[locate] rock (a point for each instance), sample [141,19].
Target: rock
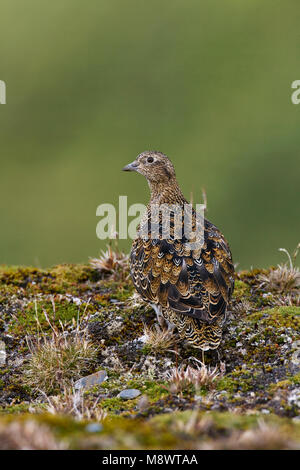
[2,353]
[129,394]
[143,403]
[294,398]
[18,361]
[114,327]
[94,427]
[91,380]
[296,355]
[95,329]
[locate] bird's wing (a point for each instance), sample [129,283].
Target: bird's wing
[197,283]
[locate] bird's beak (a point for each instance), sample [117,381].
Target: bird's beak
[131,167]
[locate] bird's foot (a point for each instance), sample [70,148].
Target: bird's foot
[161,323]
[192,358]
[171,327]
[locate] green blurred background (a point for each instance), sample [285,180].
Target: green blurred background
[90,84]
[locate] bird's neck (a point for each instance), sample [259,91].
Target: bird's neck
[166,192]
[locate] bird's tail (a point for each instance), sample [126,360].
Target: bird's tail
[199,334]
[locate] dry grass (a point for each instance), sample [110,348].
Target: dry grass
[27,435]
[73,403]
[284,279]
[159,339]
[288,300]
[181,378]
[58,360]
[113,263]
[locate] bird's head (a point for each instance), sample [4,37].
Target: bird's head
[155,166]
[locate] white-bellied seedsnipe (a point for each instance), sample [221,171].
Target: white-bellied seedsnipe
[189,287]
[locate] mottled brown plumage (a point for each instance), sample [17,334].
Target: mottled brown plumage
[189,288]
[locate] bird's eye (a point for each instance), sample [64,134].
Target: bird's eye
[150,160]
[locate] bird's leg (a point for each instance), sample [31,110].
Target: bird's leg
[222,364]
[160,319]
[200,364]
[203,356]
[171,327]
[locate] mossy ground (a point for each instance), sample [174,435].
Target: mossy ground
[260,350]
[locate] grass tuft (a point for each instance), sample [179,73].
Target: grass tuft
[283,279]
[58,360]
[112,263]
[159,339]
[79,406]
[201,376]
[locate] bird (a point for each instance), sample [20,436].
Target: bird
[189,286]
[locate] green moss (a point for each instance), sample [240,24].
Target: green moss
[64,426]
[116,405]
[285,384]
[34,316]
[295,379]
[59,279]
[146,349]
[15,409]
[286,317]
[239,380]
[250,276]
[241,290]
[142,434]
[19,276]
[123,292]
[227,383]
[154,390]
